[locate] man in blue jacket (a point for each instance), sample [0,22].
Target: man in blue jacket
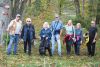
[56,27]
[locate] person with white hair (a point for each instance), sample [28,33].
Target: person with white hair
[56,28]
[28,34]
[45,35]
[14,30]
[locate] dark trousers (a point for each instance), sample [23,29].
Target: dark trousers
[91,49]
[69,44]
[27,44]
[68,48]
[77,48]
[49,50]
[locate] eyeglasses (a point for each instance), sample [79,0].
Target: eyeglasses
[28,21]
[56,17]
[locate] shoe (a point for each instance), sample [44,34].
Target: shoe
[8,53]
[15,53]
[29,54]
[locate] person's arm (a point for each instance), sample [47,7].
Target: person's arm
[61,29]
[50,35]
[96,34]
[74,31]
[21,27]
[95,37]
[10,24]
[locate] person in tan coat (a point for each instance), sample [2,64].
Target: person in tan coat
[14,30]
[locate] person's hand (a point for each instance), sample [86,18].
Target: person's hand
[21,40]
[94,41]
[20,33]
[81,42]
[46,38]
[74,39]
[7,30]
[43,36]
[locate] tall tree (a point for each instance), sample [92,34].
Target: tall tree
[98,12]
[60,4]
[83,3]
[18,6]
[91,9]
[77,6]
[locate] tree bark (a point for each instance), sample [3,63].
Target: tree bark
[98,12]
[83,2]
[77,6]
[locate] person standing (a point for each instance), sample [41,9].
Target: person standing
[92,39]
[79,38]
[56,28]
[70,36]
[28,34]
[14,30]
[45,35]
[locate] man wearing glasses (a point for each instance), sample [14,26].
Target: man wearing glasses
[56,28]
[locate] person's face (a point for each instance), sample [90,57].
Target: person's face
[57,18]
[28,22]
[70,23]
[46,26]
[17,18]
[93,24]
[78,26]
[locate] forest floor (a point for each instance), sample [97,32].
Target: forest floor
[35,60]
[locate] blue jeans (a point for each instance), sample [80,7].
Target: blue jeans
[54,39]
[15,40]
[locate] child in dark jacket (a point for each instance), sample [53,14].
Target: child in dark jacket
[45,35]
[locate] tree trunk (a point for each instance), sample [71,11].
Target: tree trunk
[91,10]
[83,2]
[98,12]
[77,6]
[29,3]
[18,7]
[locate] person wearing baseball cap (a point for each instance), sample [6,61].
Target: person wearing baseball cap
[14,30]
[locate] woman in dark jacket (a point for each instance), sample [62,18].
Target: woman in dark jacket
[28,34]
[45,34]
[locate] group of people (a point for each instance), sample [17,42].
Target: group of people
[51,34]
